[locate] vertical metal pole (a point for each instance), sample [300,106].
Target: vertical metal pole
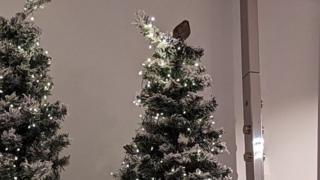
[254,143]
[318,169]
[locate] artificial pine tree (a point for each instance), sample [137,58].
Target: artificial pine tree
[29,124]
[177,139]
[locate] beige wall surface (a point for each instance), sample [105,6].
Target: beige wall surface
[97,54]
[289,41]
[289,55]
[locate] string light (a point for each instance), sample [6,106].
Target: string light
[32,18]
[152,18]
[140,73]
[196,64]
[198,151]
[150,47]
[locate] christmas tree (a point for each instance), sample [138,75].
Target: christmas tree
[29,124]
[177,139]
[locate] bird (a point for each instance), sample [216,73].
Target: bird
[182,31]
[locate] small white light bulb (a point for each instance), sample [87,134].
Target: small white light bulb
[152,18]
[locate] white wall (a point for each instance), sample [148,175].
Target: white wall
[97,54]
[289,53]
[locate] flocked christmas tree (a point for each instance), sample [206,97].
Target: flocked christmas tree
[29,124]
[177,139]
